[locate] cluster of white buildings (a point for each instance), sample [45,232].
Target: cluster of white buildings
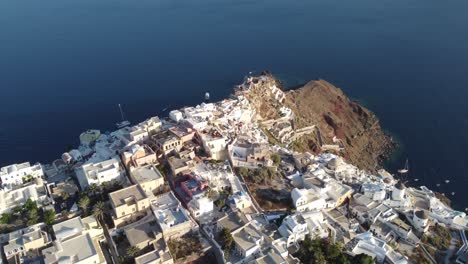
[200,146]
[366,243]
[100,172]
[77,241]
[17,174]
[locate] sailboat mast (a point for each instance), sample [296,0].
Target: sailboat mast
[121,113]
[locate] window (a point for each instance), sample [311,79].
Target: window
[123,213]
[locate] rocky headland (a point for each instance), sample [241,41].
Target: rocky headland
[338,120]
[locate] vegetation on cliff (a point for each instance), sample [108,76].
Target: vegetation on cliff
[337,118]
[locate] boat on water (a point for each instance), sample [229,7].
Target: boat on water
[416,180]
[438,185]
[207,96]
[405,169]
[453,193]
[124,121]
[447,181]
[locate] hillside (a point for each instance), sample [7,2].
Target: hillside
[338,119]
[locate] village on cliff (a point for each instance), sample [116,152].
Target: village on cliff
[216,183]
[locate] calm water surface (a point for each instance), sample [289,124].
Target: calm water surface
[66,64]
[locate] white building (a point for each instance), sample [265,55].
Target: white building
[214,143]
[89,136]
[382,212]
[316,223]
[398,192]
[77,241]
[10,198]
[151,125]
[399,197]
[366,243]
[334,192]
[100,172]
[307,200]
[176,115]
[20,241]
[239,197]
[149,178]
[421,220]
[200,206]
[374,191]
[216,175]
[172,218]
[294,229]
[247,241]
[446,215]
[15,173]
[203,111]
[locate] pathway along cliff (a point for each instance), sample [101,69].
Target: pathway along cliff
[338,119]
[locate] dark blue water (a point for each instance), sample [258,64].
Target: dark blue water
[66,64]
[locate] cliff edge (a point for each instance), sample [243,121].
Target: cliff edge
[335,123]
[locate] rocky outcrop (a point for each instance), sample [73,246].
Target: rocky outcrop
[338,119]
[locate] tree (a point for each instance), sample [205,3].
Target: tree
[6,218]
[115,185]
[105,186]
[226,238]
[334,250]
[65,213]
[32,216]
[132,251]
[99,210]
[65,196]
[49,217]
[210,193]
[33,213]
[84,203]
[220,202]
[276,159]
[362,259]
[29,205]
[93,189]
[243,171]
[31,222]
[319,258]
[18,209]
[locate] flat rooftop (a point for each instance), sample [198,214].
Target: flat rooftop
[246,237]
[146,174]
[164,201]
[119,197]
[170,217]
[233,221]
[142,233]
[70,251]
[68,228]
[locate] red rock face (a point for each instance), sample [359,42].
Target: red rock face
[326,106]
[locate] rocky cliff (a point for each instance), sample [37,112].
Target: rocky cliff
[339,121]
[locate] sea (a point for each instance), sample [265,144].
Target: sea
[65,65]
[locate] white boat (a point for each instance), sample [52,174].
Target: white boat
[438,185]
[453,193]
[207,96]
[124,122]
[447,181]
[416,180]
[405,169]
